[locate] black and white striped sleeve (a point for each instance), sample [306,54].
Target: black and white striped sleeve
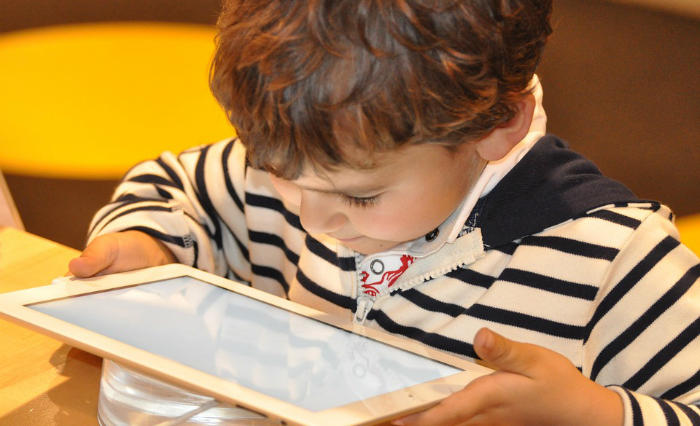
[643,340]
[180,200]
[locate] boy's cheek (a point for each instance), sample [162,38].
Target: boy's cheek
[397,227]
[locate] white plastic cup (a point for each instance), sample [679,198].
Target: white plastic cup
[128,398]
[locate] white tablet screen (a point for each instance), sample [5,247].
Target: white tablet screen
[273,351]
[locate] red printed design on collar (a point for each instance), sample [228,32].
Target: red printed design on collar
[379,274]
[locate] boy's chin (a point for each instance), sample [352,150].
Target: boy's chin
[368,246]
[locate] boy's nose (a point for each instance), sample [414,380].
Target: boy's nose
[319,214]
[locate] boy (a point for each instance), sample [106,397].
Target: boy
[393,168]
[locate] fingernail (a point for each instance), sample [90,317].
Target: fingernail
[398,423]
[489,340]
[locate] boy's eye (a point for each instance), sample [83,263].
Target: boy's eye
[360,201]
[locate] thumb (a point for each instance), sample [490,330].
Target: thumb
[504,354]
[97,256]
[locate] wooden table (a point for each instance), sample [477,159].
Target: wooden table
[42,381]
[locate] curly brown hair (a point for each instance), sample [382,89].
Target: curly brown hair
[306,81]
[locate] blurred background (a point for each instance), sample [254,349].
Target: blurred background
[107,83]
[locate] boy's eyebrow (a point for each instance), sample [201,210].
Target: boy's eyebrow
[349,190]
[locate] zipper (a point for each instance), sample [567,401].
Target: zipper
[364,305]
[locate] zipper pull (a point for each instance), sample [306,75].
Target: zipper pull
[364,305]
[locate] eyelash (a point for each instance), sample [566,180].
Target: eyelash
[360,202]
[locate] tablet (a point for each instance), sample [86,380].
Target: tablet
[242,346]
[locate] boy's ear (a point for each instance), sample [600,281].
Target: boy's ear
[498,143]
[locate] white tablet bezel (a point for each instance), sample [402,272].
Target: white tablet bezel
[14,307]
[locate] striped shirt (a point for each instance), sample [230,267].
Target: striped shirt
[556,255]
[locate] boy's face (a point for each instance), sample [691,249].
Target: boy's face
[409,193]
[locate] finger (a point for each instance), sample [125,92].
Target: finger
[504,354]
[436,416]
[81,267]
[454,410]
[97,257]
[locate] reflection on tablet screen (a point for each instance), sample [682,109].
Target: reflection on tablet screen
[273,351]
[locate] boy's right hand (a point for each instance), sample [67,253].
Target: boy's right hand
[120,252]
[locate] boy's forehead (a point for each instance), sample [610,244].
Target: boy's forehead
[365,162]
[374,159]
[372,170]
[357,175]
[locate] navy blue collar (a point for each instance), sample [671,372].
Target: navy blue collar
[550,185]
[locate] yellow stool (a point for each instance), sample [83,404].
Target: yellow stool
[91,100]
[81,104]
[689,227]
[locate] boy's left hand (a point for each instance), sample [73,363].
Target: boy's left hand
[532,386]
